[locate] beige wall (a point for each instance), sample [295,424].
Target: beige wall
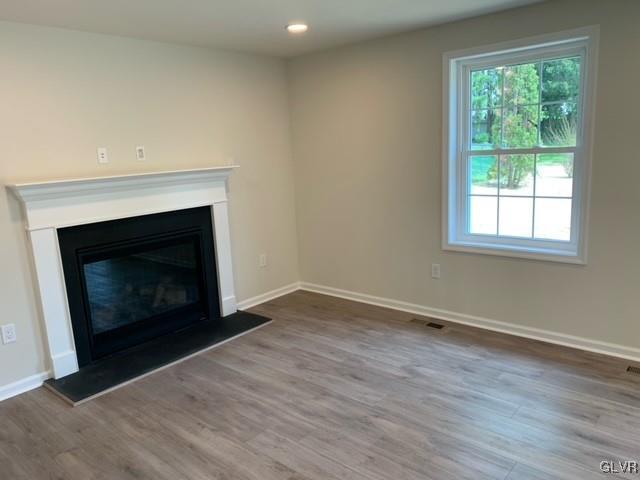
[367,125]
[63,93]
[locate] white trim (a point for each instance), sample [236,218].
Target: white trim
[23,385]
[267,296]
[64,363]
[49,189]
[582,41]
[548,336]
[224,263]
[228,304]
[65,203]
[53,299]
[514,252]
[511,46]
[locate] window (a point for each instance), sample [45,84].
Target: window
[516,162]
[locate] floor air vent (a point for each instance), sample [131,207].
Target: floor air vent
[437,326]
[635,370]
[426,323]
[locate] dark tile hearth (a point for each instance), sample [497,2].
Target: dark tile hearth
[125,366]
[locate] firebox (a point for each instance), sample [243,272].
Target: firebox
[134,279]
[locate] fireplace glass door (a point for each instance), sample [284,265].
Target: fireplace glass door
[137,289]
[131,280]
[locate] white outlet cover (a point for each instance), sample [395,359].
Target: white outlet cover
[8,333]
[103,156]
[435,270]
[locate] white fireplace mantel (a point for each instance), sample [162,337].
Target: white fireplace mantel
[56,204]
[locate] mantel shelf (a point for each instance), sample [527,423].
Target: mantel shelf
[46,190]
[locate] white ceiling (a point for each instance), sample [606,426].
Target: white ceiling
[248,25]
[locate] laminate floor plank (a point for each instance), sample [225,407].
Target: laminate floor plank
[335,389]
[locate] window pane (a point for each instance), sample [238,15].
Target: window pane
[483,175]
[516,217]
[483,215]
[560,79]
[554,175]
[486,89]
[516,174]
[515,130]
[553,219]
[485,129]
[522,84]
[521,127]
[559,124]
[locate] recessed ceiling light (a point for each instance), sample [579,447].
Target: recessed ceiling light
[296,28]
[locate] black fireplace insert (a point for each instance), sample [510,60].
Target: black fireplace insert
[131,280]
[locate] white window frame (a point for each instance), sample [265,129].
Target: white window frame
[456,67]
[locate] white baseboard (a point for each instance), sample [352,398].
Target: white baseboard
[265,297]
[548,336]
[621,351]
[22,386]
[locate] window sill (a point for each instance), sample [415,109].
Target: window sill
[545,255]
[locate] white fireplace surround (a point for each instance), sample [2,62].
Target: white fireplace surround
[51,205]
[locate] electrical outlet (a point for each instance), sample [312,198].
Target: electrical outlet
[8,333]
[103,156]
[263,260]
[140,154]
[435,270]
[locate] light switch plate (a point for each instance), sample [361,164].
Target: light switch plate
[140,153]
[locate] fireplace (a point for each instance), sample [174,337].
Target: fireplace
[134,279]
[160,248]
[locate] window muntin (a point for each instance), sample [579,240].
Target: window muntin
[519,169]
[528,106]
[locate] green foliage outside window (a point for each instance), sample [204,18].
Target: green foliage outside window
[524,106]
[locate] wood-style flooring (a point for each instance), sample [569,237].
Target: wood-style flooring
[338,390]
